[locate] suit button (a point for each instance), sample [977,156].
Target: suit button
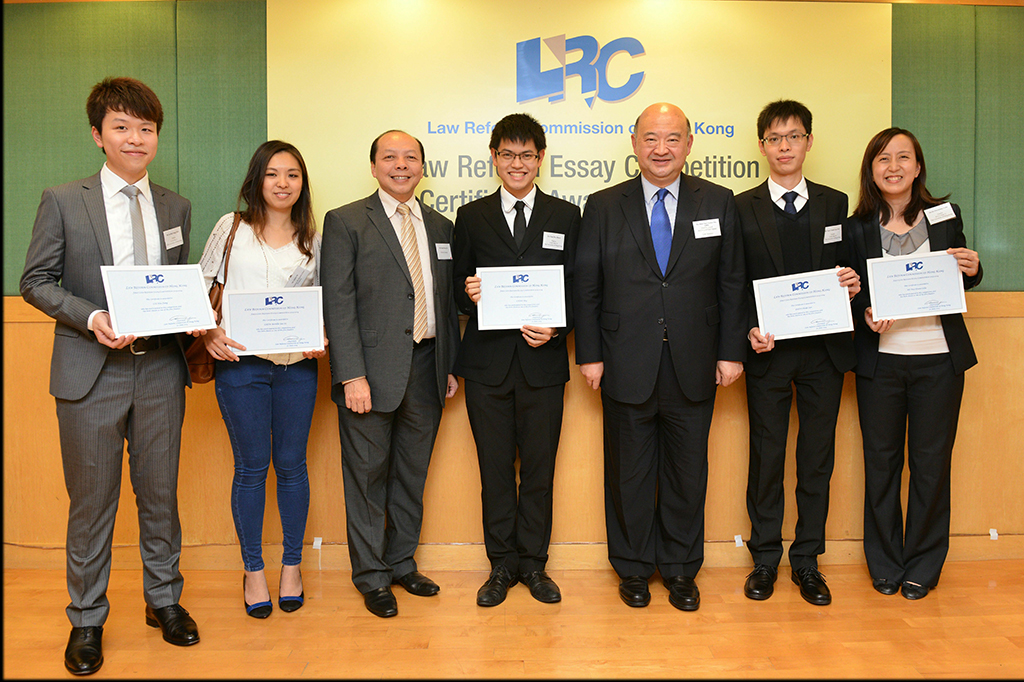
[520,258]
[408,332]
[661,320]
[664,285]
[412,296]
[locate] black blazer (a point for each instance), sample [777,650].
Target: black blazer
[867,243]
[762,249]
[623,304]
[482,239]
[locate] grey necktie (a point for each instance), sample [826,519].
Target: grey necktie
[138,231]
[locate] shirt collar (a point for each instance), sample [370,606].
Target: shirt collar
[391,205]
[650,189]
[113,183]
[508,202]
[776,190]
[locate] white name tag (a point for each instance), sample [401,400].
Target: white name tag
[707,228]
[936,214]
[172,237]
[444,251]
[833,234]
[554,240]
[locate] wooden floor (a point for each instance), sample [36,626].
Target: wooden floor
[971,626]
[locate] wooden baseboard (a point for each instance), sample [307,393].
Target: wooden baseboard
[471,557]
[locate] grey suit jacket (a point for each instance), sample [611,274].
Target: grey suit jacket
[70,241]
[368,301]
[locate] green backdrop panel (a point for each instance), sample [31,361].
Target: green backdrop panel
[53,54]
[222,104]
[999,146]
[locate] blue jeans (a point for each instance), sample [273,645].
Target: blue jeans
[268,410]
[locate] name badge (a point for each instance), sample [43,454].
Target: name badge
[554,240]
[936,214]
[707,228]
[172,238]
[444,251]
[833,234]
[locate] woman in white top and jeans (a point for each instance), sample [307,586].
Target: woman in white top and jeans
[910,373]
[267,400]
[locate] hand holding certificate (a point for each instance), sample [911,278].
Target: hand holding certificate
[511,297]
[287,320]
[805,304]
[145,300]
[918,285]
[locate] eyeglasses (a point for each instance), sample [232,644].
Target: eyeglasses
[776,140]
[527,157]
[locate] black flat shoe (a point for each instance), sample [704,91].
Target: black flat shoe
[886,587]
[84,654]
[381,602]
[495,589]
[911,591]
[260,609]
[542,587]
[760,583]
[812,586]
[418,584]
[634,592]
[177,626]
[683,593]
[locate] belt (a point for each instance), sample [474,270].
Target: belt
[143,346]
[424,342]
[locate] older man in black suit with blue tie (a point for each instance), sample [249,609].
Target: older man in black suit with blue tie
[661,321]
[110,388]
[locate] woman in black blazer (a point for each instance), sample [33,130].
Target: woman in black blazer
[910,373]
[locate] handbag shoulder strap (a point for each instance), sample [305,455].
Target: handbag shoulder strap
[227,246]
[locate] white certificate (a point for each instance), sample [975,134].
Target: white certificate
[287,320]
[806,304]
[513,296]
[146,300]
[918,285]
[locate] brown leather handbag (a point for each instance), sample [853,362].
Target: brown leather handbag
[201,364]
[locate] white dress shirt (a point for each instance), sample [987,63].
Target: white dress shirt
[508,206]
[776,191]
[671,200]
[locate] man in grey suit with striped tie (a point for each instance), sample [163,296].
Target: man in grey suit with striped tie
[111,388]
[386,271]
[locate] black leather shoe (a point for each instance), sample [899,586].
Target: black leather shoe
[634,591]
[912,591]
[812,586]
[886,587]
[381,602]
[682,593]
[84,654]
[494,591]
[178,627]
[761,582]
[542,587]
[418,584]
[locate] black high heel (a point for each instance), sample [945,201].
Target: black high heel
[259,610]
[291,603]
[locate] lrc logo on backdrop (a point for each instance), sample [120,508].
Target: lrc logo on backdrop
[591,67]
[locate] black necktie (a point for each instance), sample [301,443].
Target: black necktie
[519,224]
[790,198]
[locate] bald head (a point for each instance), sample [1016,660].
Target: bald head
[661,142]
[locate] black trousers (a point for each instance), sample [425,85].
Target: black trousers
[807,368]
[509,418]
[912,399]
[656,479]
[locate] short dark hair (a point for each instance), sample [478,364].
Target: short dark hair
[373,145]
[783,110]
[521,128]
[872,203]
[251,194]
[128,95]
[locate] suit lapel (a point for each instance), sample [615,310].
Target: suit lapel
[163,222]
[687,206]
[375,212]
[764,212]
[873,239]
[435,235]
[542,209]
[817,215]
[938,237]
[636,218]
[92,195]
[495,219]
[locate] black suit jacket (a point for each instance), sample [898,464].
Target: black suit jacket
[867,243]
[623,304]
[483,239]
[762,249]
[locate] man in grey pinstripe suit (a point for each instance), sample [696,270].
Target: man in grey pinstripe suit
[110,388]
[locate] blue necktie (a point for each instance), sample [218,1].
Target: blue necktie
[790,198]
[661,230]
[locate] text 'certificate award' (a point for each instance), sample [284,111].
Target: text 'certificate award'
[512,296]
[807,304]
[918,285]
[287,320]
[146,300]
